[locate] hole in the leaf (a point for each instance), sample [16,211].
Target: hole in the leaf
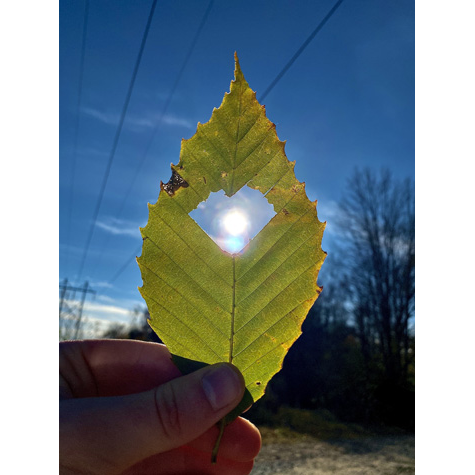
[232,222]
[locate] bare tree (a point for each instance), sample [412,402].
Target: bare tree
[377,222]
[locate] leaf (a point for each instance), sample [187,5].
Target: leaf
[211,306]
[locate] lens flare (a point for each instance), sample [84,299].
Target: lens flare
[235,222]
[234,244]
[234,225]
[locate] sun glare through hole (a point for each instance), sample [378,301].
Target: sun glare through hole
[233,222]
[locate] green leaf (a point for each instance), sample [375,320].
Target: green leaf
[211,306]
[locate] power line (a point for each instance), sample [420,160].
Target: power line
[266,92]
[116,139]
[76,128]
[162,114]
[300,50]
[167,103]
[125,264]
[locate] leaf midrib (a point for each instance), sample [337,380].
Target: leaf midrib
[231,337]
[236,140]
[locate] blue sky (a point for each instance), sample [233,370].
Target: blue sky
[347,101]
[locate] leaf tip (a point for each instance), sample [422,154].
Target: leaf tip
[237,68]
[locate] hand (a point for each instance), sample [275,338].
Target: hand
[126,409]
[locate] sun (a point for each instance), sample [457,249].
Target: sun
[235,222]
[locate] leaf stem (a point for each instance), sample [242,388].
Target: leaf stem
[231,337]
[214,454]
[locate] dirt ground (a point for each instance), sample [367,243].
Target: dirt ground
[307,456]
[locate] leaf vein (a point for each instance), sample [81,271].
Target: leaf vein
[279,180]
[192,278]
[199,163]
[167,335]
[278,267]
[273,298]
[181,295]
[276,347]
[189,247]
[270,328]
[237,137]
[275,243]
[214,146]
[256,147]
[251,127]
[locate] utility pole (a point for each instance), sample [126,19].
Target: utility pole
[70,311]
[63,293]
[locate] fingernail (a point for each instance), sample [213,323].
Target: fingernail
[221,384]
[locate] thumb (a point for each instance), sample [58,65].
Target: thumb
[112,433]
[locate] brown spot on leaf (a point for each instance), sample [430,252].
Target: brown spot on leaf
[224,174]
[285,211]
[176,181]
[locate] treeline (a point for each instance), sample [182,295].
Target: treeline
[328,368]
[355,357]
